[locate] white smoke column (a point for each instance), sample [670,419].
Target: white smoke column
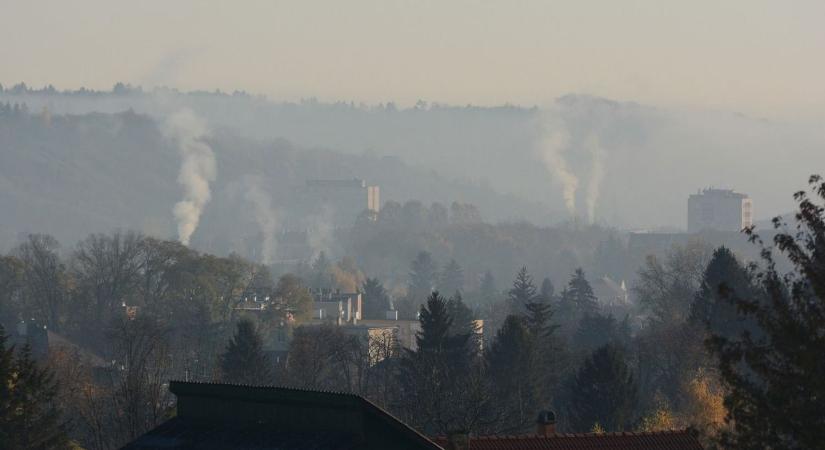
[197,169]
[265,217]
[597,173]
[321,233]
[552,147]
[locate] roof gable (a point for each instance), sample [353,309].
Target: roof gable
[665,440]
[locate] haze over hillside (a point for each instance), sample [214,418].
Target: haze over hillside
[71,175]
[621,163]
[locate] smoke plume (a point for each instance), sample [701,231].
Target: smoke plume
[197,169]
[265,217]
[597,173]
[552,147]
[321,233]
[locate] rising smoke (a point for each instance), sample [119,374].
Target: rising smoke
[553,146]
[198,169]
[265,217]
[563,149]
[321,233]
[597,172]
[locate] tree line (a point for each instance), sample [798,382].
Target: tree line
[731,350]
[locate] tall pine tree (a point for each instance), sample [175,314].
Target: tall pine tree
[244,361]
[514,367]
[578,299]
[442,391]
[547,291]
[710,309]
[29,418]
[522,292]
[376,300]
[463,322]
[603,392]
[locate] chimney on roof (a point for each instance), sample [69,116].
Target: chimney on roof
[458,440]
[546,423]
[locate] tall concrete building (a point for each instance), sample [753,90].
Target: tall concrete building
[719,210]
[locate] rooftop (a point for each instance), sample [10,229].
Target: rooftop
[713,192]
[215,415]
[664,440]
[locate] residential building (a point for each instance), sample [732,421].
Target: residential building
[719,210]
[334,305]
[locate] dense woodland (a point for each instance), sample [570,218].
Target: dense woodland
[731,350]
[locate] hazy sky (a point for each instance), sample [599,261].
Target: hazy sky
[758,57]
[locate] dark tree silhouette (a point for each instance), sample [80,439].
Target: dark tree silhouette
[578,299]
[29,418]
[514,370]
[710,309]
[244,360]
[421,284]
[775,376]
[376,300]
[462,316]
[547,291]
[522,292]
[422,276]
[451,278]
[443,389]
[597,330]
[602,392]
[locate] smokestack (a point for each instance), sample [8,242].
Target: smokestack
[546,423]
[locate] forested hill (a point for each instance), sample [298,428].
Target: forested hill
[70,175]
[623,164]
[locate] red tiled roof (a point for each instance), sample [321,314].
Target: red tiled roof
[663,440]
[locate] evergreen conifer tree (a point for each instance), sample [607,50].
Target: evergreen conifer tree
[596,330]
[710,309]
[376,301]
[522,292]
[421,284]
[578,299]
[29,418]
[514,367]
[547,291]
[439,379]
[244,361]
[463,322]
[451,278]
[603,391]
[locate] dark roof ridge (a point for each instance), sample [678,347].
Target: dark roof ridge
[260,386]
[369,407]
[577,435]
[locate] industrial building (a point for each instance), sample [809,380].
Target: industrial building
[719,210]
